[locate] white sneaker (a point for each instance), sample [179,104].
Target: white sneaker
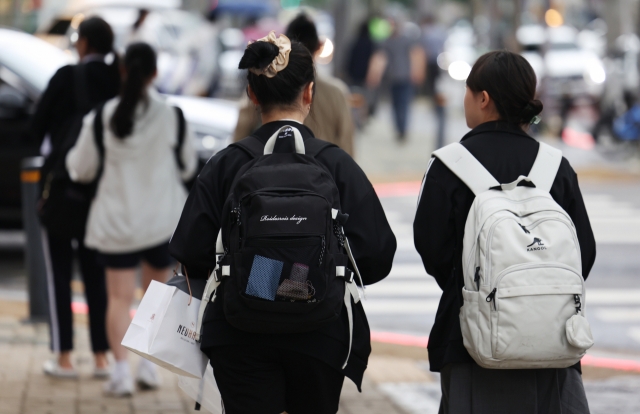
[119,387]
[148,377]
[52,368]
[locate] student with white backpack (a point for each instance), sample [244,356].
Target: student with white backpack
[502,227]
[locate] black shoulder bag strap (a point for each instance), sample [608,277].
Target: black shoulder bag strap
[98,137]
[182,128]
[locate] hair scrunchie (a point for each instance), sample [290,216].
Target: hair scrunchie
[281,61]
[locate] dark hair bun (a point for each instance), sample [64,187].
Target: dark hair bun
[510,81]
[533,108]
[258,55]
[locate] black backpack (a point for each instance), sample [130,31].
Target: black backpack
[284,264]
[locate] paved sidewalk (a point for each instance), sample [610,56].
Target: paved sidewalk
[24,389]
[384,159]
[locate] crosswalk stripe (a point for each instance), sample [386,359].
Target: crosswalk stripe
[401,288]
[401,306]
[618,314]
[614,221]
[411,290]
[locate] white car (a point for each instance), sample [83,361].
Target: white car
[26,65]
[187,45]
[565,69]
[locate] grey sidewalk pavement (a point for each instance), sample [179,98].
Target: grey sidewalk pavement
[24,389]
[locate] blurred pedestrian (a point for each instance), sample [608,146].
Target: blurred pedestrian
[136,34]
[360,55]
[71,93]
[330,118]
[363,98]
[401,61]
[139,198]
[434,35]
[299,372]
[499,106]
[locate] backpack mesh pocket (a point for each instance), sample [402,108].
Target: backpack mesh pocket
[285,269]
[264,277]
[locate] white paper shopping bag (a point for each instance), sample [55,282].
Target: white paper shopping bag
[163,331]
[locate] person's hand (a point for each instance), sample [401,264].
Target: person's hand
[418,60]
[377,66]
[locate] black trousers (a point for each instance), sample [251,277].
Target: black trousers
[60,270]
[258,379]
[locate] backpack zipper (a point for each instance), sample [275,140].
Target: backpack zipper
[322,249]
[492,298]
[526,266]
[476,278]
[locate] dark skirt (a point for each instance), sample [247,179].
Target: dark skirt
[468,388]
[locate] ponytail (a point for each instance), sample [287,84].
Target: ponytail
[140,66]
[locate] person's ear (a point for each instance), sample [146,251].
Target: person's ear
[81,46]
[252,96]
[485,100]
[307,94]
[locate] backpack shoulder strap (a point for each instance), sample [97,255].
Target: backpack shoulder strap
[98,131]
[464,165]
[545,167]
[181,133]
[251,145]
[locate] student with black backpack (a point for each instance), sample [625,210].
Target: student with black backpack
[143,151]
[72,92]
[300,227]
[502,227]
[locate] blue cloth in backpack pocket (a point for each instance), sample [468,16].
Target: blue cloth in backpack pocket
[264,277]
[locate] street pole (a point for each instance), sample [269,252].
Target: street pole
[34,251]
[341,17]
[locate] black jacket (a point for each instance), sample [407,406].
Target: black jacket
[58,108]
[506,152]
[369,233]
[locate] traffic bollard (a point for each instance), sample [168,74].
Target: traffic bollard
[34,251]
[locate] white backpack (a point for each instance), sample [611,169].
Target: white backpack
[524,296]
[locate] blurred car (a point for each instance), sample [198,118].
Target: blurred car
[186,43]
[561,65]
[26,65]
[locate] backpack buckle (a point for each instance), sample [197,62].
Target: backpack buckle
[345,273]
[349,276]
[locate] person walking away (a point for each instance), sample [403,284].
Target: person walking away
[139,197]
[71,93]
[299,372]
[357,67]
[330,118]
[499,105]
[403,60]
[433,38]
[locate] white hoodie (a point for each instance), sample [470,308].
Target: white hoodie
[140,194]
